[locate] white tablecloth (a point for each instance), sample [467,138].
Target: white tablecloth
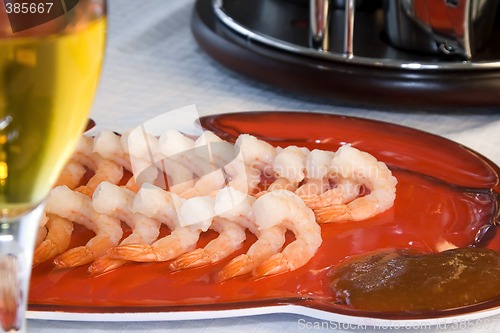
[154,65]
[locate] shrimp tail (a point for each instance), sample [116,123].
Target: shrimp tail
[84,189]
[56,241]
[195,258]
[357,210]
[295,255]
[240,265]
[82,255]
[105,264]
[46,250]
[168,250]
[134,252]
[77,256]
[332,213]
[276,264]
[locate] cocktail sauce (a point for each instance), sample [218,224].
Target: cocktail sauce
[403,280]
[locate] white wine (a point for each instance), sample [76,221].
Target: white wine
[47,85]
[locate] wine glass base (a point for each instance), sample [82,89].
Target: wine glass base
[17,238]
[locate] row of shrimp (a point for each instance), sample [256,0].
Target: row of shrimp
[192,185]
[230,213]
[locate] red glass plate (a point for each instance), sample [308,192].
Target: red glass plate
[447,195]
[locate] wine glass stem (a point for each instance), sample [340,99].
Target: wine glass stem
[17,238]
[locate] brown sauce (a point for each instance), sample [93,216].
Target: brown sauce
[403,280]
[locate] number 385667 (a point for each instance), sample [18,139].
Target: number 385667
[28,7]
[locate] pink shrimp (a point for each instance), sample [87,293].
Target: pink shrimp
[323,186]
[117,202]
[77,207]
[104,169]
[234,215]
[361,169]
[275,212]
[56,241]
[185,218]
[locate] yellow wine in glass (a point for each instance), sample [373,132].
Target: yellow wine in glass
[49,70]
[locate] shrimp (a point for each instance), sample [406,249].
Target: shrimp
[108,145]
[145,155]
[56,241]
[275,212]
[180,148]
[42,230]
[356,167]
[211,155]
[117,202]
[104,169]
[269,242]
[322,186]
[77,207]
[71,175]
[288,210]
[216,152]
[289,168]
[317,167]
[180,163]
[194,162]
[254,159]
[185,218]
[140,145]
[234,215]
[230,239]
[203,157]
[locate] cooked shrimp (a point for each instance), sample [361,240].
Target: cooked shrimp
[231,237]
[77,207]
[361,169]
[42,230]
[186,219]
[56,241]
[254,158]
[71,175]
[322,186]
[269,242]
[141,145]
[203,158]
[275,212]
[211,155]
[289,167]
[104,169]
[180,148]
[207,185]
[145,155]
[108,145]
[115,201]
[234,215]
[289,211]
[317,173]
[216,153]
[177,179]
[180,163]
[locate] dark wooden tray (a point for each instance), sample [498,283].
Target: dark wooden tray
[344,81]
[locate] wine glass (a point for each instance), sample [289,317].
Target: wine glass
[50,60]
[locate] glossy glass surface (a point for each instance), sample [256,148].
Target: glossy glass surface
[447,195]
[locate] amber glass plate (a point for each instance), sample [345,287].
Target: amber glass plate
[447,195]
